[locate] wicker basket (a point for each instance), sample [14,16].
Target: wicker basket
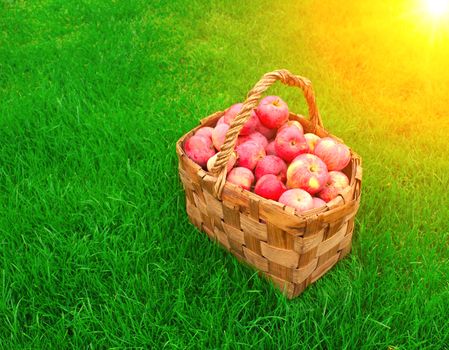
[292,250]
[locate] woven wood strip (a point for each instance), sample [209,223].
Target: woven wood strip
[321,270]
[236,247]
[255,259]
[234,233]
[254,206]
[345,251]
[284,257]
[345,241]
[253,227]
[333,241]
[222,238]
[301,274]
[304,244]
[279,240]
[209,232]
[284,220]
[213,206]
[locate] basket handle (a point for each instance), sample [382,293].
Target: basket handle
[251,102]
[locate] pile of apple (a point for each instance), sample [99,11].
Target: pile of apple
[299,170]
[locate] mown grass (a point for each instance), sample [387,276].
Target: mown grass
[96,250]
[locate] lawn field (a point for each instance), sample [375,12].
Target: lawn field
[96,250]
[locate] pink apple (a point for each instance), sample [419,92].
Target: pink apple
[219,135]
[290,142]
[232,112]
[242,177]
[249,154]
[292,123]
[199,149]
[249,126]
[335,154]
[205,131]
[267,132]
[213,159]
[255,136]
[298,199]
[318,202]
[272,112]
[269,187]
[270,149]
[307,172]
[311,139]
[336,182]
[221,121]
[271,165]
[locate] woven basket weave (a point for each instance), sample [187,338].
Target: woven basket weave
[293,250]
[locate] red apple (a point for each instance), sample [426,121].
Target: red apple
[272,112]
[290,142]
[335,154]
[205,131]
[219,135]
[199,149]
[249,153]
[242,177]
[307,172]
[271,165]
[231,161]
[311,139]
[298,199]
[270,149]
[336,182]
[318,202]
[267,132]
[269,187]
[249,126]
[255,136]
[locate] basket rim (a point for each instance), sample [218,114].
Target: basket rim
[331,206]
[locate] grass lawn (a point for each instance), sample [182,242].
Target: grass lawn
[96,250]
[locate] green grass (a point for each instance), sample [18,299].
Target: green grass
[96,250]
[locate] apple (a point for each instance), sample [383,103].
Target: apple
[232,112]
[290,142]
[337,181]
[298,199]
[335,154]
[249,126]
[271,165]
[199,149]
[267,132]
[272,112]
[269,187]
[307,172]
[270,149]
[255,136]
[205,131]
[219,135]
[242,177]
[311,139]
[249,154]
[292,123]
[221,121]
[213,159]
[318,202]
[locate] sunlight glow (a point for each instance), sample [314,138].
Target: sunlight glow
[437,8]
